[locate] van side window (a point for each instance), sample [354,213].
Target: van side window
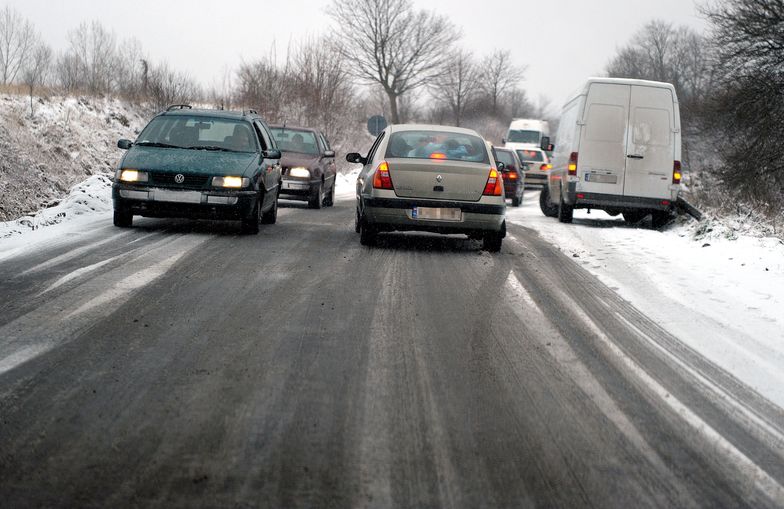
[651,127]
[606,123]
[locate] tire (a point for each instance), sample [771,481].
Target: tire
[547,208]
[271,216]
[660,219]
[565,212]
[250,225]
[634,217]
[367,234]
[123,218]
[329,200]
[517,201]
[357,222]
[317,201]
[492,242]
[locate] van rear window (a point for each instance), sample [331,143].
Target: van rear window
[437,145]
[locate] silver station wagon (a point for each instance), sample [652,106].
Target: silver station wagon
[430,178]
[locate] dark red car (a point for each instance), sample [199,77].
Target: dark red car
[308,164]
[514,174]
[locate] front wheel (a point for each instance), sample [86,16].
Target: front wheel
[317,200]
[123,218]
[250,224]
[548,209]
[271,216]
[330,199]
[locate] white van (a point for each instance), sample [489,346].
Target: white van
[526,133]
[618,150]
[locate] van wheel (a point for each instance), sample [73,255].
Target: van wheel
[565,212]
[548,209]
[660,219]
[634,217]
[123,218]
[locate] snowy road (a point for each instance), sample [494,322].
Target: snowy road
[182,364]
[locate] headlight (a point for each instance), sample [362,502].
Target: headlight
[133,176]
[299,173]
[230,182]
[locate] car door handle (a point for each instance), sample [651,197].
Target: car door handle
[635,156]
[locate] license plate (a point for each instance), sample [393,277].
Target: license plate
[176,196]
[598,178]
[437,213]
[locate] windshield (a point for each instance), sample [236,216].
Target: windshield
[294,140]
[516,136]
[437,145]
[531,156]
[199,133]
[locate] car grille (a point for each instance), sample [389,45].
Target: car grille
[191,181]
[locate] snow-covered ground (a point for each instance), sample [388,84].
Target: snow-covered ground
[718,291]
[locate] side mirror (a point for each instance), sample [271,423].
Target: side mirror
[501,166]
[329,153]
[125,144]
[546,145]
[272,154]
[355,158]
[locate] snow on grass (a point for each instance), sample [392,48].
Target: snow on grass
[717,288]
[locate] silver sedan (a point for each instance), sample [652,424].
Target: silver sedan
[430,178]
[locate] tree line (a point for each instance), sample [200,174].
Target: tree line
[730,82]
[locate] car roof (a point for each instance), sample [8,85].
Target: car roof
[293,128]
[429,127]
[187,112]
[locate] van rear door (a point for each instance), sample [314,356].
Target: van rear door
[602,151]
[651,143]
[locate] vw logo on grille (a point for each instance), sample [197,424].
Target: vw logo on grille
[439,179]
[179,178]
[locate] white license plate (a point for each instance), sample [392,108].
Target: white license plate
[176,196]
[437,213]
[295,186]
[598,178]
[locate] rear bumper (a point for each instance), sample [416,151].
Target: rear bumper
[619,203]
[392,214]
[536,179]
[160,202]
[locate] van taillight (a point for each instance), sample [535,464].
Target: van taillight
[494,186]
[676,173]
[381,179]
[573,163]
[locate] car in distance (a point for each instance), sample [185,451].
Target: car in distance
[619,150]
[430,178]
[539,164]
[308,165]
[200,164]
[527,133]
[514,172]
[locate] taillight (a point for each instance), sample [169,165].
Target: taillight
[676,173]
[573,164]
[494,186]
[512,175]
[381,179]
[438,155]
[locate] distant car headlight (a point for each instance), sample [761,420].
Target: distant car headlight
[134,176]
[299,172]
[230,182]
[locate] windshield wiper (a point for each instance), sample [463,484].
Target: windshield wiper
[155,144]
[211,148]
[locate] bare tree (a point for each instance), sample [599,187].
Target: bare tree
[95,50]
[167,87]
[390,43]
[458,83]
[36,69]
[17,38]
[502,76]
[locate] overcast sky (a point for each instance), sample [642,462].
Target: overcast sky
[561,41]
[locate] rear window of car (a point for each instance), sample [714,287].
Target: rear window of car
[296,140]
[505,157]
[531,156]
[196,132]
[437,145]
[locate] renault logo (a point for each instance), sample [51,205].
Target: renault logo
[439,179]
[179,178]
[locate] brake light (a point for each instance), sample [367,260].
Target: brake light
[494,186]
[381,178]
[437,155]
[676,173]
[573,164]
[512,175]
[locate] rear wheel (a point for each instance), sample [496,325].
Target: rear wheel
[367,234]
[317,199]
[271,216]
[123,218]
[250,224]
[660,219]
[517,201]
[565,212]
[548,209]
[357,221]
[492,241]
[634,216]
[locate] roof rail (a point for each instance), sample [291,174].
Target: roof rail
[250,112]
[179,107]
